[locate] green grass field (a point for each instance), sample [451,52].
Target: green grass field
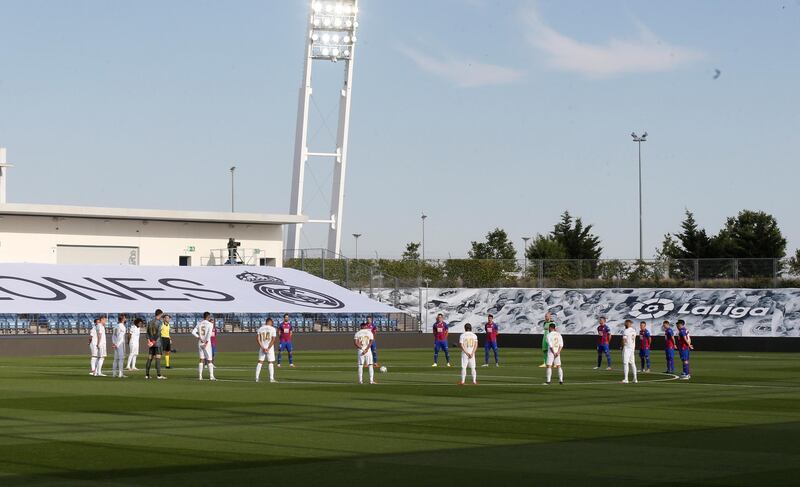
[737,422]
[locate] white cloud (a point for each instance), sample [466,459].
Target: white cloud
[644,54]
[465,73]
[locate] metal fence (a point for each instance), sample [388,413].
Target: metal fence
[369,274]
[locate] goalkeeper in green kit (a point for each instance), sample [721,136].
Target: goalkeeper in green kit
[548,320]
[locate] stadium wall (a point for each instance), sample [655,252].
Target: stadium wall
[17,346]
[707,312]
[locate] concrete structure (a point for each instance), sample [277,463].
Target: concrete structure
[330,37]
[54,234]
[4,165]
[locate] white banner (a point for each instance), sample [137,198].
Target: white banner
[44,288]
[707,312]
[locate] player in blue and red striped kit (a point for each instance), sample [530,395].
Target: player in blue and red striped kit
[440,332]
[684,346]
[669,347]
[603,343]
[645,340]
[491,341]
[285,337]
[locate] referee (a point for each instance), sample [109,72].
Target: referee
[166,343]
[154,344]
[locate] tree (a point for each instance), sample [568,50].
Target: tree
[751,235]
[577,240]
[545,247]
[692,243]
[794,263]
[411,252]
[496,246]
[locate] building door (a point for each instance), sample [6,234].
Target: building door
[185,260]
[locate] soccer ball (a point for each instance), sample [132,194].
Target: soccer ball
[384,369]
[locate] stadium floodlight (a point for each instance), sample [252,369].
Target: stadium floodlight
[331,37]
[639,141]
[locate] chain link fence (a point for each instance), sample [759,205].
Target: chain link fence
[366,275]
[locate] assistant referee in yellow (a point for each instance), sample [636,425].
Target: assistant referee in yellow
[166,343]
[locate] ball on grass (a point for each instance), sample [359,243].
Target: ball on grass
[384,369]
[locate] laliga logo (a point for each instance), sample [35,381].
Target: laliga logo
[275,288]
[656,308]
[652,308]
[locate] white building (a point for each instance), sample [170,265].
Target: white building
[54,234]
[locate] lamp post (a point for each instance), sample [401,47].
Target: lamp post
[233,170]
[639,141]
[356,235]
[424,216]
[525,255]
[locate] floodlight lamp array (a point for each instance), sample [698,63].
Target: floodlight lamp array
[333,29]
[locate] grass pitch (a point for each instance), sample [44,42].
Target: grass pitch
[737,422]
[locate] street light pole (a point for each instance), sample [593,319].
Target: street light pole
[639,141]
[356,235]
[233,169]
[424,216]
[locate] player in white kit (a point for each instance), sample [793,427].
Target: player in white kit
[469,345]
[363,341]
[555,344]
[118,344]
[265,336]
[133,343]
[93,347]
[100,331]
[202,331]
[628,349]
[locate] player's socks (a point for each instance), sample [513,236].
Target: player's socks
[166,360]
[99,369]
[474,376]
[147,367]
[211,371]
[372,375]
[635,378]
[258,370]
[626,366]
[291,359]
[549,374]
[599,359]
[463,374]
[94,364]
[360,374]
[560,374]
[271,369]
[158,367]
[200,370]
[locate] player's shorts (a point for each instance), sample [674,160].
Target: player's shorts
[269,356]
[466,361]
[603,348]
[154,350]
[166,344]
[93,350]
[101,351]
[286,346]
[552,360]
[644,352]
[670,352]
[490,345]
[440,345]
[684,355]
[365,359]
[627,356]
[119,352]
[204,352]
[134,349]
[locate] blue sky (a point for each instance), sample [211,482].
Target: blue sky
[481,113]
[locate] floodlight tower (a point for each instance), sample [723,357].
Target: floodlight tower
[330,37]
